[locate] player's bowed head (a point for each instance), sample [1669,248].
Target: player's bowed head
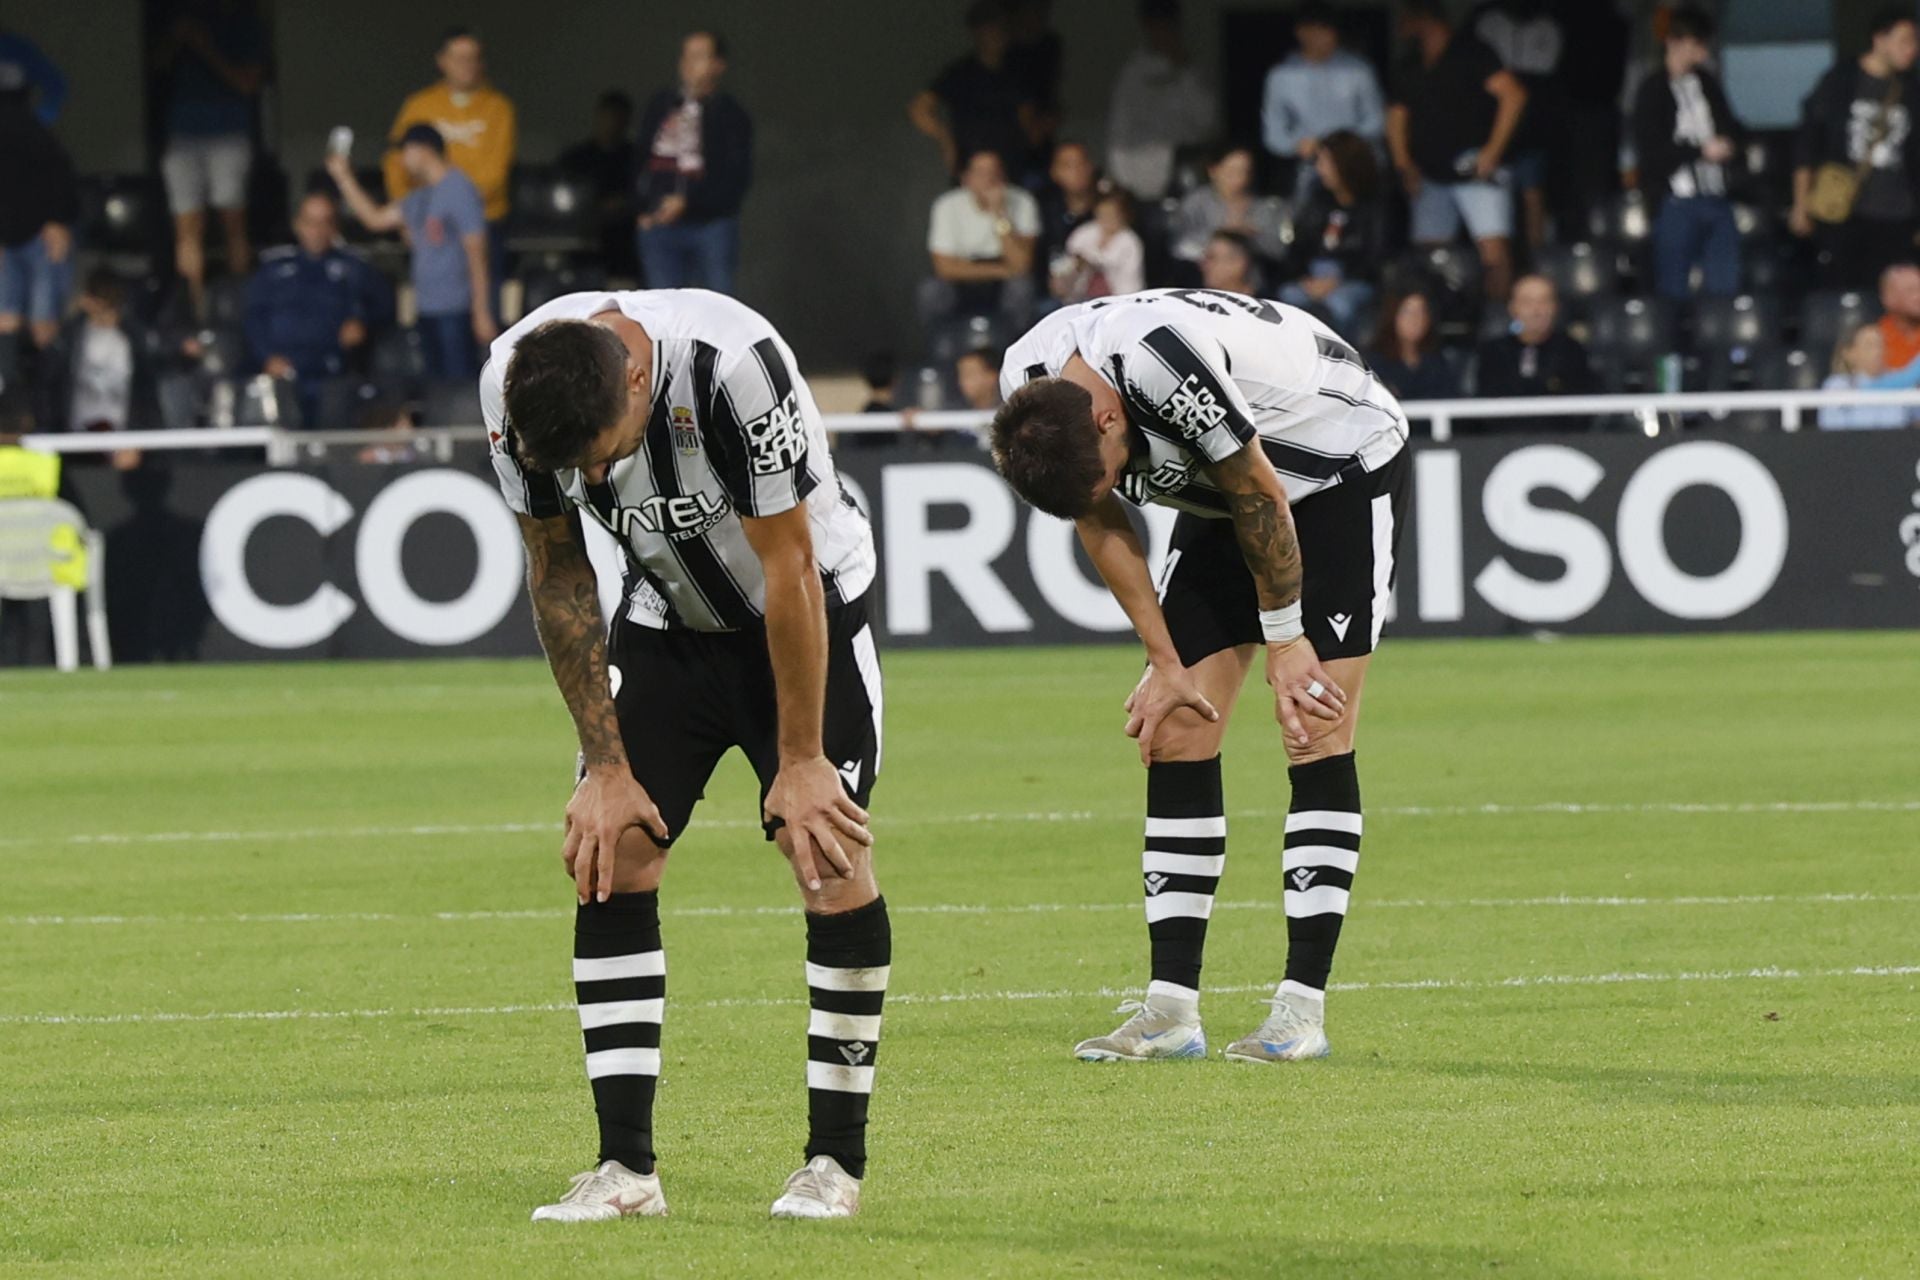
[578,394]
[1060,445]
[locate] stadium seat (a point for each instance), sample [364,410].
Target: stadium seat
[553,212]
[265,402]
[122,215]
[1451,274]
[542,287]
[1789,370]
[1624,219]
[1828,314]
[397,356]
[1629,337]
[1746,321]
[223,352]
[950,338]
[226,302]
[450,404]
[1580,272]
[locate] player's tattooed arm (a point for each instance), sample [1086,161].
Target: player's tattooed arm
[1263,523]
[566,612]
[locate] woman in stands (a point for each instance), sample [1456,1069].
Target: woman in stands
[1338,233]
[1406,353]
[1860,364]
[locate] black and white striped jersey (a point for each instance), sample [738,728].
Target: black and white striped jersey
[734,432]
[1202,372]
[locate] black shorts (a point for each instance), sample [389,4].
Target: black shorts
[1347,538]
[685,698]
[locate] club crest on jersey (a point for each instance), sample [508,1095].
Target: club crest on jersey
[1192,408]
[777,439]
[686,436]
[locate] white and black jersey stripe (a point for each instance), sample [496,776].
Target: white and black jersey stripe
[1202,372]
[734,432]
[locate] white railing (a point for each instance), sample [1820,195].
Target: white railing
[283,447]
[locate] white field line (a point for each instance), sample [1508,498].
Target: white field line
[963,909]
[1770,974]
[1570,808]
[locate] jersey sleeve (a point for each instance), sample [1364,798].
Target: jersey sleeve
[759,428]
[528,493]
[1177,380]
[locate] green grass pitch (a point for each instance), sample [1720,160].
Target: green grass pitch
[284,981]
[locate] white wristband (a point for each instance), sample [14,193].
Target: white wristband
[1282,626]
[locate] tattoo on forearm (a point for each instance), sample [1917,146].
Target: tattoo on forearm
[1268,543]
[566,612]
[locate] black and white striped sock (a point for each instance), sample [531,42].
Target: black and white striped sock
[1322,853]
[1186,851]
[620,981]
[848,955]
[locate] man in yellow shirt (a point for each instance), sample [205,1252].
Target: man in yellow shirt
[477,122]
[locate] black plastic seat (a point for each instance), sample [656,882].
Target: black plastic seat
[1744,321]
[542,287]
[450,404]
[1581,272]
[1827,315]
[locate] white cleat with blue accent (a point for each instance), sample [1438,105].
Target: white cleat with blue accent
[1294,1031]
[1161,1026]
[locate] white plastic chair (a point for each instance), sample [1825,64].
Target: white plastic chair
[30,562]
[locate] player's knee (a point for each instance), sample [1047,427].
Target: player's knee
[1186,735]
[1324,738]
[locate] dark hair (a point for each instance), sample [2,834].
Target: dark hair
[1218,151]
[1166,11]
[566,383]
[1886,19]
[718,41]
[1316,13]
[1045,444]
[1386,331]
[880,370]
[425,135]
[1690,23]
[984,13]
[617,99]
[1243,244]
[969,156]
[103,284]
[451,34]
[992,355]
[1434,9]
[1113,192]
[1354,159]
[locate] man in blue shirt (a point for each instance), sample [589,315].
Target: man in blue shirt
[215,60]
[445,224]
[311,304]
[1319,90]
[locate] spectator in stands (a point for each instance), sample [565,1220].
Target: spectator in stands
[1318,90]
[1454,112]
[980,103]
[104,377]
[1406,353]
[1104,256]
[1228,203]
[977,373]
[1530,42]
[881,373]
[446,228]
[981,236]
[1065,203]
[1859,122]
[1685,137]
[215,59]
[1860,364]
[1036,57]
[1160,104]
[39,202]
[1231,264]
[478,125]
[1900,318]
[696,161]
[311,306]
[605,162]
[1339,234]
[1537,357]
[24,69]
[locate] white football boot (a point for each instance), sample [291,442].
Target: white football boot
[820,1188]
[610,1191]
[1294,1031]
[1161,1026]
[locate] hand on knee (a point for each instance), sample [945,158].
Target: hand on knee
[1186,735]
